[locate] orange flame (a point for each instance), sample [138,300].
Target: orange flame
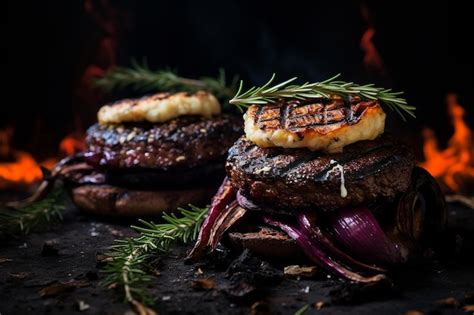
[19,168]
[71,144]
[22,171]
[453,166]
[372,58]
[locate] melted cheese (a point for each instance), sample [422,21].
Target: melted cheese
[159,107]
[330,138]
[340,168]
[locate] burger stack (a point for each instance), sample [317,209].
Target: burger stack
[154,154]
[320,178]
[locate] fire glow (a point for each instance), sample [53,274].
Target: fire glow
[454,165]
[372,58]
[18,169]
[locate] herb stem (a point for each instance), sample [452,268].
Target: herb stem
[130,256]
[192,82]
[33,216]
[126,270]
[140,78]
[323,89]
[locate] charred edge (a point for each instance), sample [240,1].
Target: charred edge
[258,113]
[375,168]
[284,112]
[250,147]
[295,164]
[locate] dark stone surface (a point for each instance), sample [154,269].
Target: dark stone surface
[80,240]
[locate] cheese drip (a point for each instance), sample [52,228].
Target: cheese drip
[340,168]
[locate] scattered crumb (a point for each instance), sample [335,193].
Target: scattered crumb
[93,230]
[82,306]
[300,271]
[60,287]
[305,290]
[204,283]
[114,232]
[319,305]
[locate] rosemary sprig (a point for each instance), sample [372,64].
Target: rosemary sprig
[23,220]
[140,78]
[129,256]
[269,94]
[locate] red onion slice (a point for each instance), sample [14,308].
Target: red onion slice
[317,254]
[307,224]
[359,232]
[246,203]
[221,210]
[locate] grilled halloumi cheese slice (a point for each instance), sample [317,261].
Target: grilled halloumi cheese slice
[160,107]
[326,125]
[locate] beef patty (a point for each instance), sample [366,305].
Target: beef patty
[184,142]
[300,179]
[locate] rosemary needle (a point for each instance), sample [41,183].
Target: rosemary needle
[130,256]
[34,216]
[141,78]
[332,86]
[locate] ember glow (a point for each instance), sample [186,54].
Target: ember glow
[19,169]
[454,165]
[71,144]
[23,170]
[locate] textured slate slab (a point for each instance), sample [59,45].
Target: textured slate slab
[72,248]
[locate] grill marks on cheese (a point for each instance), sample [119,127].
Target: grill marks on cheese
[317,124]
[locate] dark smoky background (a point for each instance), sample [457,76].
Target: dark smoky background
[55,52]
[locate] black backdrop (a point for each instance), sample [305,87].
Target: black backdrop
[426,49]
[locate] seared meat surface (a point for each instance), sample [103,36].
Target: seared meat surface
[184,142]
[295,179]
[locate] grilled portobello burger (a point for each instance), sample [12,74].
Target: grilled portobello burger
[152,154]
[319,178]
